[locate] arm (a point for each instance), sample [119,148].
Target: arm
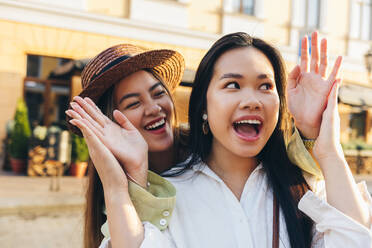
[341,189]
[125,227]
[150,201]
[312,100]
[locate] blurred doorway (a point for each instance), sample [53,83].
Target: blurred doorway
[46,99]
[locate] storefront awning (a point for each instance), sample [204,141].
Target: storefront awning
[356,95]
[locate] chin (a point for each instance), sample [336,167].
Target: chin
[160,146]
[248,152]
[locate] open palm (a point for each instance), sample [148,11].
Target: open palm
[121,138]
[308,88]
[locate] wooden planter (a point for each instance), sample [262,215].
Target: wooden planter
[78,169]
[19,166]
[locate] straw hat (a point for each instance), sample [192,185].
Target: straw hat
[118,62]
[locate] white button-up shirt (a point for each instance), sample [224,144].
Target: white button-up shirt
[207,214]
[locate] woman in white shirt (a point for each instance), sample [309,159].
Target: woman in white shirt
[227,192]
[239,188]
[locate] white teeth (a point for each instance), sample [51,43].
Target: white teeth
[249,122]
[156,124]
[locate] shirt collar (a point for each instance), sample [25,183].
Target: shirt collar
[202,167]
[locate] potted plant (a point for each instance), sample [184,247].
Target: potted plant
[19,139]
[79,156]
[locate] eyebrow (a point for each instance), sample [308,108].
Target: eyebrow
[237,75]
[264,76]
[136,94]
[231,75]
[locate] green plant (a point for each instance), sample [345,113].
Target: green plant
[355,144]
[79,151]
[20,135]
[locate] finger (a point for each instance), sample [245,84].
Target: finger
[91,111]
[76,107]
[83,128]
[304,55]
[90,102]
[333,96]
[336,68]
[314,63]
[92,141]
[97,131]
[293,77]
[122,120]
[72,114]
[323,58]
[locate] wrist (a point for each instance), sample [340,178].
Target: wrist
[308,133]
[326,158]
[139,178]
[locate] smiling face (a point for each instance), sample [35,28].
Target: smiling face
[242,102]
[145,102]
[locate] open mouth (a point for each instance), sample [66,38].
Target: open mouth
[248,129]
[155,125]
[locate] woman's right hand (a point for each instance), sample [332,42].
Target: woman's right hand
[124,141]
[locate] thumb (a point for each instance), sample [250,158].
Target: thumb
[293,76]
[122,120]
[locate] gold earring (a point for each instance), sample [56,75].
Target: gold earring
[205,127]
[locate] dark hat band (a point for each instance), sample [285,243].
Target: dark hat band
[111,64]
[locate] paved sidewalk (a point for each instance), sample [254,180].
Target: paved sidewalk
[32,216]
[23,193]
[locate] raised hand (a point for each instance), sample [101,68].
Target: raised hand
[109,170]
[328,145]
[308,87]
[123,140]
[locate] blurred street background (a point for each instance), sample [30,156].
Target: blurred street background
[45,44]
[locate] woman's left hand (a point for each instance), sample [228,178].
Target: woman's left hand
[308,90]
[327,146]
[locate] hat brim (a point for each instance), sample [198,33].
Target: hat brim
[167,64]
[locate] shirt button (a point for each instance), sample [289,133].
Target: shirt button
[166,213]
[163,222]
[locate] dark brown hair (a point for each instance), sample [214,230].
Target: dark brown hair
[285,178]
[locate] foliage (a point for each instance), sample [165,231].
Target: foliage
[355,144]
[20,135]
[80,151]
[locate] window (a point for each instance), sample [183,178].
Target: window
[361,19]
[310,12]
[243,6]
[357,125]
[46,99]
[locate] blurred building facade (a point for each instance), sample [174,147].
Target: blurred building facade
[36,36]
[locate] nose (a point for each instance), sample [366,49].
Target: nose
[152,108]
[250,101]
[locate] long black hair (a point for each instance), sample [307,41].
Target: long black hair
[285,178]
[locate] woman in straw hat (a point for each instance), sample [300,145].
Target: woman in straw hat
[138,83]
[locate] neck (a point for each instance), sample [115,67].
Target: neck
[161,161]
[231,168]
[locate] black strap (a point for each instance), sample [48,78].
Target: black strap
[275,223]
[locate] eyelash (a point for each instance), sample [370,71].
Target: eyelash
[131,105]
[157,94]
[232,83]
[270,86]
[237,86]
